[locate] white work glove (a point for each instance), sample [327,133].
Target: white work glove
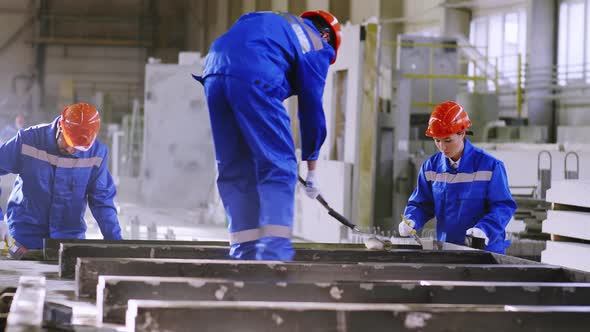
[311,186]
[405,229]
[4,232]
[476,232]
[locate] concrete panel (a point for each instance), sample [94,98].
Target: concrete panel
[178,145]
[115,291]
[570,192]
[349,57]
[146,315]
[364,178]
[572,255]
[568,223]
[88,270]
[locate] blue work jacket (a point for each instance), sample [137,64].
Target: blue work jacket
[51,191]
[476,194]
[284,55]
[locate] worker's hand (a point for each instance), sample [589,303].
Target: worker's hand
[4,232]
[311,186]
[476,232]
[405,229]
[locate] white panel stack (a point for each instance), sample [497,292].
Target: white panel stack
[572,255]
[569,218]
[574,224]
[570,192]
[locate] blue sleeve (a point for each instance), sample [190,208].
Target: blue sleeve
[420,206]
[101,192]
[311,73]
[10,158]
[502,206]
[10,153]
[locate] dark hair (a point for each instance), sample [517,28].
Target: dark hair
[467,132]
[323,26]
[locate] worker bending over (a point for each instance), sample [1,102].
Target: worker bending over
[61,167]
[261,60]
[465,188]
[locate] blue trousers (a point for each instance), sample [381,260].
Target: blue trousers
[257,167]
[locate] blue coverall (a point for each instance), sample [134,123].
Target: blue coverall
[476,194]
[261,60]
[51,191]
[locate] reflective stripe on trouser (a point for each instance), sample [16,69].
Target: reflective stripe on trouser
[258,233]
[256,162]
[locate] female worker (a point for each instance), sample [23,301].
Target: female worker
[465,188]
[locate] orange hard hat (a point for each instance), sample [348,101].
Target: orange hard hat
[80,124]
[334,26]
[447,118]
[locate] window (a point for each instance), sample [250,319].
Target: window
[499,38]
[562,44]
[511,46]
[572,31]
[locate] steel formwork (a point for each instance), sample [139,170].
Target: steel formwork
[164,286]
[70,252]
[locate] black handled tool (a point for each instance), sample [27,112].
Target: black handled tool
[386,241]
[332,212]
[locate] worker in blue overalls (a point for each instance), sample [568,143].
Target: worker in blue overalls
[261,60]
[61,168]
[465,188]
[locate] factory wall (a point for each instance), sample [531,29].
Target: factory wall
[17,65]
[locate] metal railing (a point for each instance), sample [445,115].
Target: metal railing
[484,75]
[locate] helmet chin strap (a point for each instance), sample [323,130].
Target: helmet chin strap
[58,130]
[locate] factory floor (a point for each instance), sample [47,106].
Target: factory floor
[170,224]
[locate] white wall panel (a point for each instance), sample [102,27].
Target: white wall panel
[178,167]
